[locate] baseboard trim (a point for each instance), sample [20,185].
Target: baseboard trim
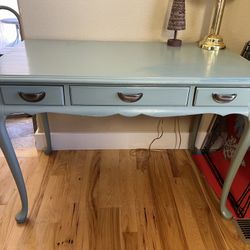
[73,141]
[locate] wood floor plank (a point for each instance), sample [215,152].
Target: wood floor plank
[149,230]
[166,209]
[113,200]
[110,180]
[127,167]
[8,220]
[185,210]
[192,206]
[144,195]
[71,231]
[53,200]
[7,186]
[109,229]
[130,241]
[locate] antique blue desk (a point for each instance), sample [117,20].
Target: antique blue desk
[127,78]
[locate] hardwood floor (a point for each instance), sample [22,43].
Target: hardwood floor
[112,200]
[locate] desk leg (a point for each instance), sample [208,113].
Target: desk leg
[195,123]
[236,161]
[45,121]
[10,156]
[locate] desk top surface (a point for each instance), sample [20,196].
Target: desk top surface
[121,62]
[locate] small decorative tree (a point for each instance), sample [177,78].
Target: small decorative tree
[176,21]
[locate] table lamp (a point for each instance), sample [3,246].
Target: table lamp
[214,41]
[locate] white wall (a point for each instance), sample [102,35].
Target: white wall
[105,19]
[236,24]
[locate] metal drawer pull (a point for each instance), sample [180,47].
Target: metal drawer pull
[130,97]
[32,97]
[223,98]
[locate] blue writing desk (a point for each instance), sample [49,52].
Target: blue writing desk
[127,78]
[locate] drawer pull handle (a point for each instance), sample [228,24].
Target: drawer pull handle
[32,97]
[223,98]
[130,97]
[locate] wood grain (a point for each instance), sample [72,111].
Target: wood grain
[114,199]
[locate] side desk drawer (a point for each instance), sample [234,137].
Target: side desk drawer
[141,96]
[222,97]
[32,95]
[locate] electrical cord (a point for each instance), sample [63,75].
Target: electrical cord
[179,132]
[160,132]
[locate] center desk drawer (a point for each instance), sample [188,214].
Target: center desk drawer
[32,95]
[141,96]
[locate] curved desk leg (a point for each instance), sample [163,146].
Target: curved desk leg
[236,161]
[10,156]
[45,121]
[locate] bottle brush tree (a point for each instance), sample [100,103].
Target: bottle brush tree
[176,21]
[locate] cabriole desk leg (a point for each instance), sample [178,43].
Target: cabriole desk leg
[45,121]
[10,157]
[236,161]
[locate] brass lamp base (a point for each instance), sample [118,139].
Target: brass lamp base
[212,42]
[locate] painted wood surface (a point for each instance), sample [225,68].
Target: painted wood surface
[148,67]
[121,63]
